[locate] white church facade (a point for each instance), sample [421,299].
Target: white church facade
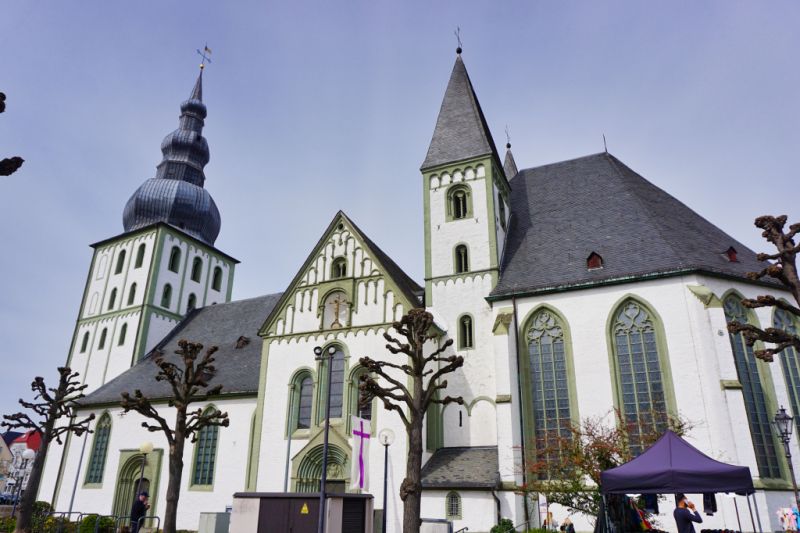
[571,290]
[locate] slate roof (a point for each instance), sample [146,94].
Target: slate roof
[509,165]
[461,130]
[219,325]
[563,212]
[462,467]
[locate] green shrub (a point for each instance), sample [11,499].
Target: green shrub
[7,524]
[107,524]
[505,526]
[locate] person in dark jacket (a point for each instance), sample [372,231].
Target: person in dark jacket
[685,514]
[139,510]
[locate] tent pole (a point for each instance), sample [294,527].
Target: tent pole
[605,512]
[750,508]
[758,515]
[736,506]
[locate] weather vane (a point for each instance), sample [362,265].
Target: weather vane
[205,55]
[508,138]
[458,38]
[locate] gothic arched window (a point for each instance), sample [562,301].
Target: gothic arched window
[166,296]
[122,332]
[302,401]
[216,281]
[459,202]
[132,294]
[461,259]
[549,382]
[174,259]
[453,506]
[753,390]
[97,459]
[465,337]
[339,268]
[205,454]
[640,379]
[336,311]
[85,342]
[790,362]
[336,384]
[120,262]
[139,256]
[197,269]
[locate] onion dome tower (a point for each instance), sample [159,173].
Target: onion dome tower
[176,195]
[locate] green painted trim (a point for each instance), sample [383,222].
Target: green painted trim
[86,484]
[460,344]
[467,275]
[152,471]
[329,334]
[292,415]
[661,346]
[767,385]
[191,486]
[627,279]
[182,275]
[503,398]
[730,384]
[453,188]
[491,217]
[259,414]
[92,264]
[165,400]
[476,400]
[149,293]
[705,295]
[108,350]
[455,258]
[463,164]
[502,323]
[128,311]
[771,484]
[251,442]
[426,209]
[528,421]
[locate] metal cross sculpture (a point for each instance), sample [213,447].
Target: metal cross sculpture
[205,55]
[458,36]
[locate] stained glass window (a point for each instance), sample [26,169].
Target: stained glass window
[643,404]
[205,454]
[549,385]
[755,401]
[97,461]
[304,399]
[790,363]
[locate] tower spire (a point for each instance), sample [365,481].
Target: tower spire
[176,195]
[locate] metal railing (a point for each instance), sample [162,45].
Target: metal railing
[462,530]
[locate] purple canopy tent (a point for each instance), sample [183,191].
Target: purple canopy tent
[672,465]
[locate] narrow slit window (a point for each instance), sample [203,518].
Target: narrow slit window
[465,339]
[192,302]
[216,281]
[102,343]
[120,262]
[174,259]
[85,342]
[462,259]
[166,296]
[112,299]
[132,294]
[139,256]
[122,333]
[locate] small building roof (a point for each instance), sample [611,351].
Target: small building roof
[232,327]
[32,439]
[563,212]
[474,467]
[10,436]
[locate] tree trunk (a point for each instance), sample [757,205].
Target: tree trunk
[175,473]
[411,490]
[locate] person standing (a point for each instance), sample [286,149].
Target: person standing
[139,510]
[685,513]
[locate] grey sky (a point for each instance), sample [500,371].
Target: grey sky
[319,106]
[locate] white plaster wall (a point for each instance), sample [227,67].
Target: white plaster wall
[127,434]
[160,325]
[478,509]
[473,231]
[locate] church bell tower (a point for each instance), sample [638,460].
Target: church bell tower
[144,281]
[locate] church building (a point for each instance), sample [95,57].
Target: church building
[572,290]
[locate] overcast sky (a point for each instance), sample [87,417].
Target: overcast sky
[319,106]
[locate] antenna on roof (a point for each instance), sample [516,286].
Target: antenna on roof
[458,38]
[605,146]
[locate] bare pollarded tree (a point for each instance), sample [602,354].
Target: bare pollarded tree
[781,266]
[409,388]
[54,411]
[9,165]
[189,381]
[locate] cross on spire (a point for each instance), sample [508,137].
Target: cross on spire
[205,55]
[458,38]
[508,138]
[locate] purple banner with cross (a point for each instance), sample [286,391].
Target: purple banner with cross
[359,470]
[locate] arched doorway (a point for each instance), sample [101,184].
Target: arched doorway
[128,486]
[309,470]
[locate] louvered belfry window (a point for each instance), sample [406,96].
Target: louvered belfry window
[755,401]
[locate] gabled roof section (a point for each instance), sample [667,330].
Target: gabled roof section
[410,290]
[461,130]
[218,325]
[564,211]
[462,468]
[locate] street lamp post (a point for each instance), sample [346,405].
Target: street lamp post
[144,448]
[27,456]
[386,437]
[783,424]
[327,356]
